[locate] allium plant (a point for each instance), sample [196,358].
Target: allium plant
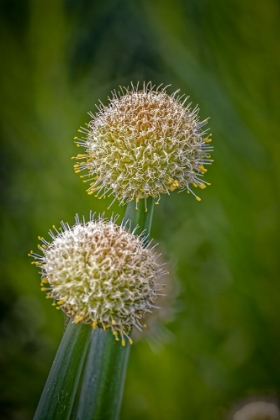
[106,277]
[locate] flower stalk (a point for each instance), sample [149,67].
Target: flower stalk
[58,396]
[104,377]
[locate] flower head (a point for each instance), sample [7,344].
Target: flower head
[144,143]
[100,274]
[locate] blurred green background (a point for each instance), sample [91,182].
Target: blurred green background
[58,58]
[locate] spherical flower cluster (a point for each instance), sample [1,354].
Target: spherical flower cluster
[101,274]
[144,143]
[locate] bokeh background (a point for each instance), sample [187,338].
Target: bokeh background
[57,59]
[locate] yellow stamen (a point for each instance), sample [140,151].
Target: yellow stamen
[78,319]
[175,184]
[201,167]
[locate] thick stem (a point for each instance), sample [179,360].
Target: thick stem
[140,214]
[60,389]
[104,378]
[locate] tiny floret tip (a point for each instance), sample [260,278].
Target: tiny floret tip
[144,143]
[100,274]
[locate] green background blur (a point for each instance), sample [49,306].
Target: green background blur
[57,59]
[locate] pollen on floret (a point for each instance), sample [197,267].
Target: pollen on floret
[100,274]
[144,143]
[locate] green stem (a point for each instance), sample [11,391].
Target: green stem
[104,377]
[141,216]
[148,216]
[60,389]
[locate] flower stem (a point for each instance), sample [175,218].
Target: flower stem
[60,389]
[104,377]
[105,371]
[141,216]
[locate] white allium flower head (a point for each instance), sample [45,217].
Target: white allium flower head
[101,274]
[144,143]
